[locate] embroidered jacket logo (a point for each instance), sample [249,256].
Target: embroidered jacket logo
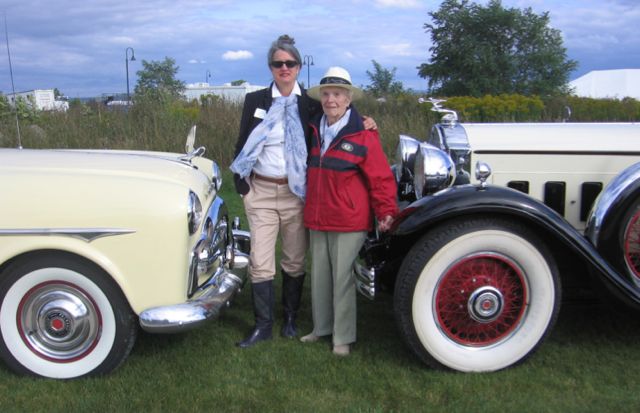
[347,147]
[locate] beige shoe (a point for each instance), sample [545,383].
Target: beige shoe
[309,338]
[341,350]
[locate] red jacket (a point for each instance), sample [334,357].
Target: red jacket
[350,182]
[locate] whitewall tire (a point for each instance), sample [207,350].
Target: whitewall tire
[61,317]
[478,295]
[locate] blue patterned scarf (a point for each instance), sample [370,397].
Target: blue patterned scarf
[295,147]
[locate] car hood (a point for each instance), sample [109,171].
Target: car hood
[554,137]
[132,164]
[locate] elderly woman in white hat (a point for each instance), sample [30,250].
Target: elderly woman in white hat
[349,181]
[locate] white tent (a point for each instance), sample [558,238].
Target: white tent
[617,84]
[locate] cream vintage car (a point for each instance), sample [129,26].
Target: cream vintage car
[94,244]
[497,222]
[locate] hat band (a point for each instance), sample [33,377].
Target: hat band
[334,80]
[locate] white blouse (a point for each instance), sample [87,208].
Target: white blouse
[271,161]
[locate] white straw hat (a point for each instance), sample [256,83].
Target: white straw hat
[336,77]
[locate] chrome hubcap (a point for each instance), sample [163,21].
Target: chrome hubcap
[59,322]
[485,304]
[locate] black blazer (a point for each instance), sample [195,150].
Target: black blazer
[261,99]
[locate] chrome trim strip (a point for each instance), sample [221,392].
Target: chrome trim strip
[85,234]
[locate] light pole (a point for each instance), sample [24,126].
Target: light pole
[207,76]
[126,63]
[308,60]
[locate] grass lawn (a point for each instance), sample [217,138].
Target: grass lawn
[590,363]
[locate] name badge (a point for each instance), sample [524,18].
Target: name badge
[260,113]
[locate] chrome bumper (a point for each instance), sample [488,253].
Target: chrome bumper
[208,301]
[365,279]
[369,265]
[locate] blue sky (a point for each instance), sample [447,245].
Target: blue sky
[79,46]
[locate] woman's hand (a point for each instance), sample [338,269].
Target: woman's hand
[384,224]
[369,123]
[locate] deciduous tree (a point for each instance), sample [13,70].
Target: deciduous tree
[382,81]
[491,49]
[159,78]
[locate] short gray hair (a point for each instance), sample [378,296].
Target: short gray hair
[286,44]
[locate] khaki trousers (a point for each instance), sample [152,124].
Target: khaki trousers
[333,288]
[273,208]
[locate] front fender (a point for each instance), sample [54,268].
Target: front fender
[460,201]
[473,199]
[612,204]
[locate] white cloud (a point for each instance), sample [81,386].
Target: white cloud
[123,40]
[398,49]
[402,4]
[196,61]
[237,55]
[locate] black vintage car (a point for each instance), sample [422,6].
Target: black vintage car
[474,258]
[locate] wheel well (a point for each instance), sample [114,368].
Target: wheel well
[38,254]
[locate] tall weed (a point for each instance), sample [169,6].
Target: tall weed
[162,125]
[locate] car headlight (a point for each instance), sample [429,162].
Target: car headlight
[405,158]
[194,212]
[433,170]
[216,176]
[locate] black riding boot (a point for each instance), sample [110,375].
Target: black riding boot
[262,294]
[291,294]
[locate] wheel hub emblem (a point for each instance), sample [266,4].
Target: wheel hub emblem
[485,304]
[58,324]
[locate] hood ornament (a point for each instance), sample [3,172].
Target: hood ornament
[449,117]
[189,146]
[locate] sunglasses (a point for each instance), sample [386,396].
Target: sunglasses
[289,63]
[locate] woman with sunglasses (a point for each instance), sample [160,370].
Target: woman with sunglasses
[270,173]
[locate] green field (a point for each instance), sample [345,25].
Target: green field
[589,363]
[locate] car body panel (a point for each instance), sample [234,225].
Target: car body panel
[140,193]
[569,154]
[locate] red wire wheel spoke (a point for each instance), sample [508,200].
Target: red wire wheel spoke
[632,244]
[481,300]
